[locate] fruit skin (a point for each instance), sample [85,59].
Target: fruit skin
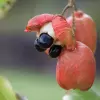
[63,32]
[6,91]
[85,29]
[76,69]
[35,23]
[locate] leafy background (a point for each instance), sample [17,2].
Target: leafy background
[30,72]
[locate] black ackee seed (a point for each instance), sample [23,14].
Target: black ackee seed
[37,46]
[55,51]
[45,40]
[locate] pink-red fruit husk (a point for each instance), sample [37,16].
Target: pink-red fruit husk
[76,69]
[85,29]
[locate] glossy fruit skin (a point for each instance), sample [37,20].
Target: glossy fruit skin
[38,47]
[55,51]
[76,69]
[85,29]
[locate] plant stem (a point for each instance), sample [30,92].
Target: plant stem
[73,16]
[71,4]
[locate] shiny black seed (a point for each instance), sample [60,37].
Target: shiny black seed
[45,40]
[37,46]
[55,51]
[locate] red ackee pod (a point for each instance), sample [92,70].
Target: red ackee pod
[63,32]
[76,69]
[85,29]
[35,23]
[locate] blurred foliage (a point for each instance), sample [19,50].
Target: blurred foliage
[5,6]
[43,86]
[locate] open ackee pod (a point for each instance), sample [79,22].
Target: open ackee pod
[55,26]
[76,66]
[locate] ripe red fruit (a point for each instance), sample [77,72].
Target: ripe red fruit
[76,69]
[85,29]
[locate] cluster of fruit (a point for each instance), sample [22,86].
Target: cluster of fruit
[75,50]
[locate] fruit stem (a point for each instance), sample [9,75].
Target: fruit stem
[73,16]
[73,22]
[71,4]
